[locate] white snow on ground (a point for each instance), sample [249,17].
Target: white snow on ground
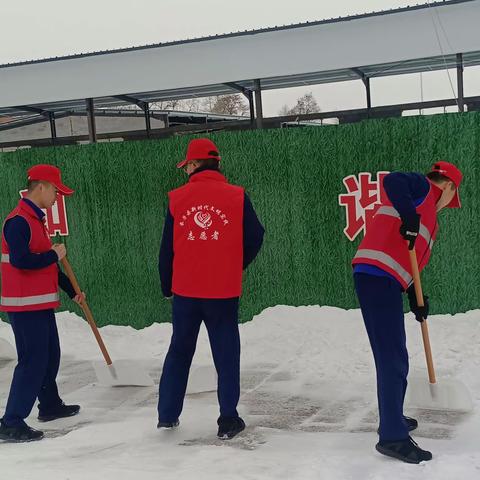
[308,397]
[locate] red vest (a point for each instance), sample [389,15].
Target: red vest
[384,247]
[207,237]
[26,290]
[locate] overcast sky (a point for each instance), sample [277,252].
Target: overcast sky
[32,29]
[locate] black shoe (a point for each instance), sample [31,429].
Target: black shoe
[406,450]
[228,427]
[412,424]
[19,434]
[168,425]
[62,411]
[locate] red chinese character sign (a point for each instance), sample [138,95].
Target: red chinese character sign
[362,200]
[56,216]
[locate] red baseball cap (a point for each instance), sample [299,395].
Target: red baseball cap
[450,171]
[200,149]
[50,174]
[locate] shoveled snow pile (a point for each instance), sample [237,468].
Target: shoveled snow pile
[308,397]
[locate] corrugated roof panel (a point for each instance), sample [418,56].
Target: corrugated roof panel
[400,41]
[244,32]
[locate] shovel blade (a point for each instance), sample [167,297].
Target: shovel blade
[448,395]
[7,352]
[122,373]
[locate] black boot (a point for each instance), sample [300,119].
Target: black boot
[412,424]
[61,411]
[19,433]
[405,450]
[228,427]
[168,425]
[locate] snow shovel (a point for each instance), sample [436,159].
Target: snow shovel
[113,374]
[450,394]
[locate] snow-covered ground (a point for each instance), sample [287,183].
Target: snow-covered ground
[308,397]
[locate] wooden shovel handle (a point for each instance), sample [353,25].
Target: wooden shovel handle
[419,294]
[86,309]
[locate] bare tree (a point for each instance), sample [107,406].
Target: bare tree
[187,105]
[305,104]
[225,104]
[191,105]
[207,104]
[166,105]
[229,105]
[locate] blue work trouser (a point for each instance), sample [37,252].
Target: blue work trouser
[382,309]
[221,319]
[38,350]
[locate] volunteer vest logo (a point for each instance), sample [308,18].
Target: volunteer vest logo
[203,222]
[56,216]
[361,202]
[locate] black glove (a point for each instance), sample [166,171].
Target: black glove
[421,313]
[410,228]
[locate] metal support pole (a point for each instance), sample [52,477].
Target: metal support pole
[251,106]
[366,81]
[53,127]
[258,103]
[92,131]
[461,100]
[148,124]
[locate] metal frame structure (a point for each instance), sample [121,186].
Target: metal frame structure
[185,125]
[433,36]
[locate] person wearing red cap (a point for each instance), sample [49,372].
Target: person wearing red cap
[382,271]
[29,295]
[211,234]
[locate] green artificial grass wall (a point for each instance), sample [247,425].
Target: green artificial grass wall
[293,177]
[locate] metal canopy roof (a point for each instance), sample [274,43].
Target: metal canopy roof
[405,40]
